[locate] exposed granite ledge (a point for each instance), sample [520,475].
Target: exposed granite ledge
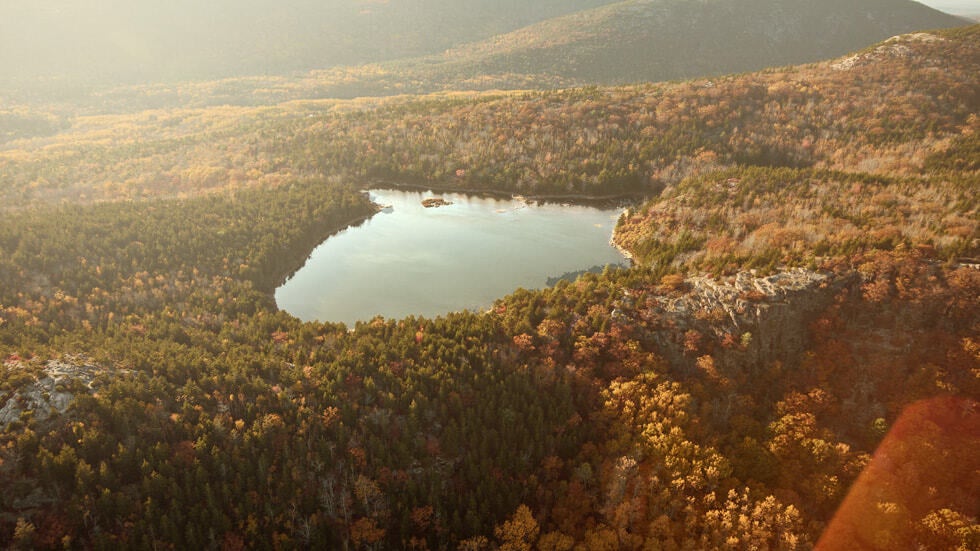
[52,388]
[767,316]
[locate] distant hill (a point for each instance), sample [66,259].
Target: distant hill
[263,53]
[98,42]
[655,40]
[624,42]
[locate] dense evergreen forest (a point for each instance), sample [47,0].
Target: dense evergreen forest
[804,291]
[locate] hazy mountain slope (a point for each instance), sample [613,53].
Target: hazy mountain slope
[651,40]
[632,41]
[89,41]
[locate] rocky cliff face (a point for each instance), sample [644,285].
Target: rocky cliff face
[49,391]
[743,322]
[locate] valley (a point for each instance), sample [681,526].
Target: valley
[803,290]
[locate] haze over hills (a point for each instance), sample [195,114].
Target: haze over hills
[655,40]
[631,41]
[52,49]
[965,8]
[113,42]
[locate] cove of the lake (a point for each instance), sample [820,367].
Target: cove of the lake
[412,260]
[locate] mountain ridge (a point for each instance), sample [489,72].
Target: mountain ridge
[670,39]
[88,43]
[625,42]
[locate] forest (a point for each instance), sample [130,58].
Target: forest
[792,362]
[262,52]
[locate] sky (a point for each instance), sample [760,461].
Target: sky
[954,6]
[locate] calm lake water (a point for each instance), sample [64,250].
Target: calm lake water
[412,260]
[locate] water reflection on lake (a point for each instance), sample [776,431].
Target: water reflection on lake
[412,260]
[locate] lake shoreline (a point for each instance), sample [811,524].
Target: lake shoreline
[622,250]
[611,200]
[334,230]
[427,262]
[585,200]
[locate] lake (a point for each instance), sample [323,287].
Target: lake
[411,260]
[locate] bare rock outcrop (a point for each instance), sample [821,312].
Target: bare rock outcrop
[743,322]
[50,390]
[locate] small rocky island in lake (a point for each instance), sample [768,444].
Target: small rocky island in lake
[435,202]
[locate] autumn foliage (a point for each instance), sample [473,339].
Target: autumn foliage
[632,409]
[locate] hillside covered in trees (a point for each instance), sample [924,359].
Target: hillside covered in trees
[803,293]
[653,41]
[51,46]
[154,56]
